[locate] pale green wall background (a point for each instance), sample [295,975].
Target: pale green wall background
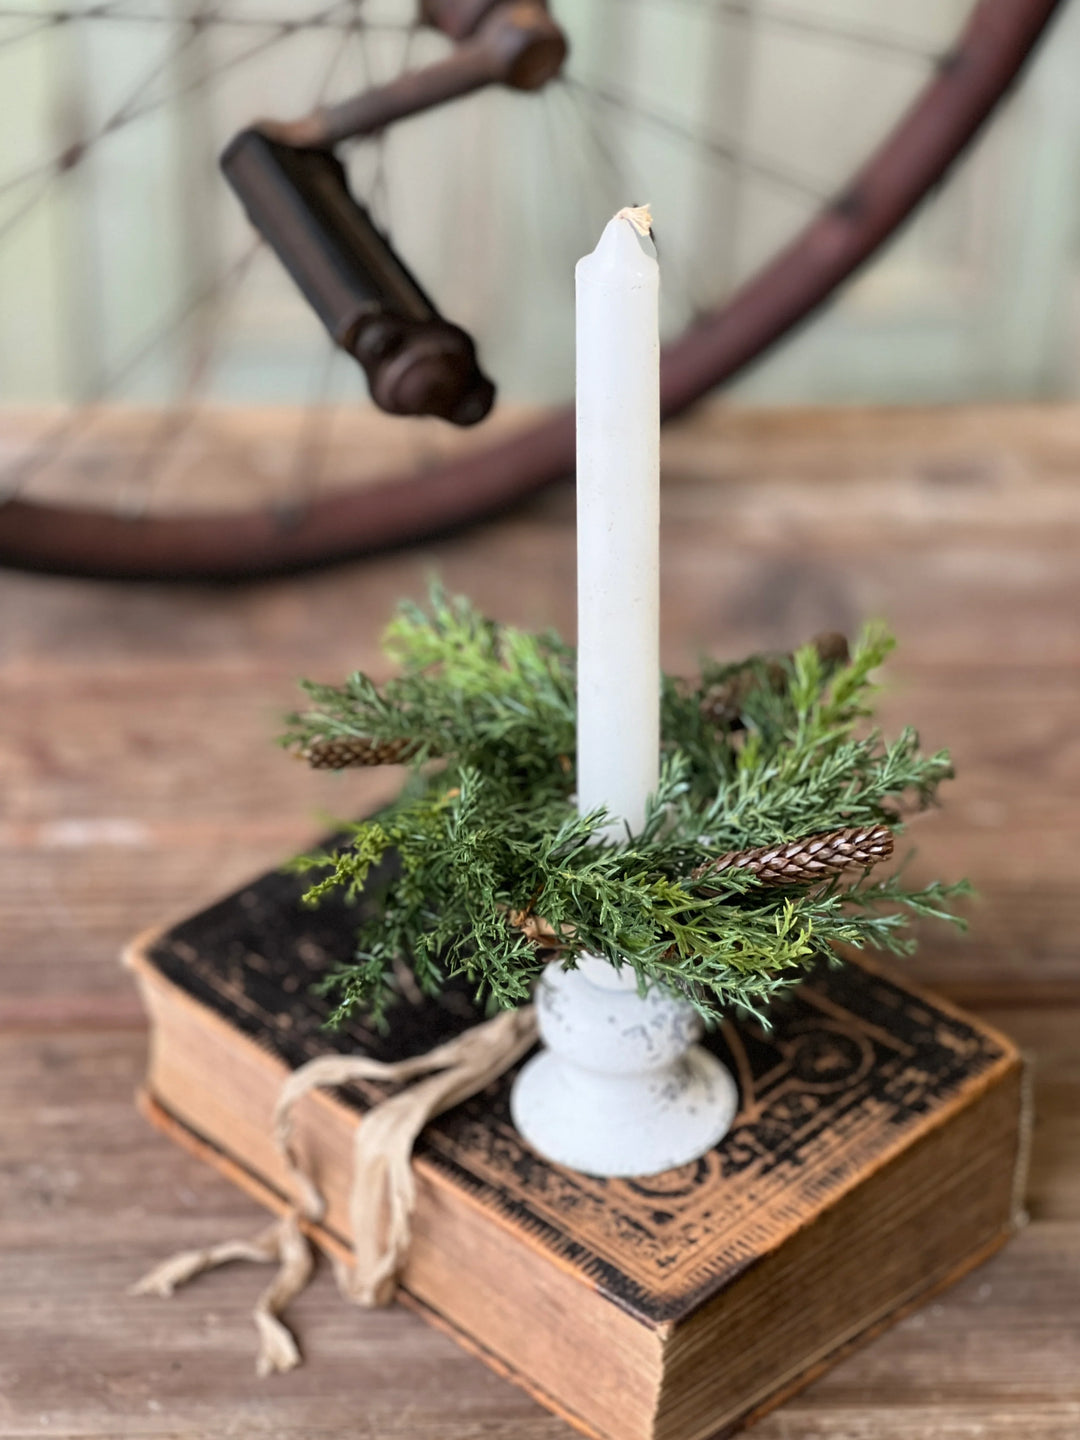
[979,298]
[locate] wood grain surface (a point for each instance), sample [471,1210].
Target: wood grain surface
[138,779]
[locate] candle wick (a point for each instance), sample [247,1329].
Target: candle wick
[640,217]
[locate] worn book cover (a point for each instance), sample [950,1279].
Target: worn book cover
[876,1154]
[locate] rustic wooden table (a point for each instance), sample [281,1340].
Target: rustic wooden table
[139,778]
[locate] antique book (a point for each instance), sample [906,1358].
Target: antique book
[877,1154]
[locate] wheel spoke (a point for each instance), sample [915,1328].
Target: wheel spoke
[283,31]
[378,191]
[28,206]
[820,26]
[633,188]
[130,111]
[150,463]
[313,437]
[563,121]
[317,20]
[75,420]
[586,120]
[72,156]
[32,29]
[716,148]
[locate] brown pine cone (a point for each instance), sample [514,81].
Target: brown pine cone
[723,703]
[344,751]
[535,928]
[832,647]
[809,860]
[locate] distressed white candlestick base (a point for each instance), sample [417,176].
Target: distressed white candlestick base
[621,1089]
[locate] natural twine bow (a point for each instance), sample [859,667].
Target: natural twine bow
[382,1193]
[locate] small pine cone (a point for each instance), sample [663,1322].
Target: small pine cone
[344,751]
[810,860]
[723,704]
[533,927]
[832,647]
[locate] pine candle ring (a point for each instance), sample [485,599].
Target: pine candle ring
[494,847]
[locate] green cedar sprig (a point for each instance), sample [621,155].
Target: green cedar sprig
[486,830]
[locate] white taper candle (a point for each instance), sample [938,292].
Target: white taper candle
[618,1089]
[618,523]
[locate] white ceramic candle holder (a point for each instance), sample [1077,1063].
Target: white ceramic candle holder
[621,1088]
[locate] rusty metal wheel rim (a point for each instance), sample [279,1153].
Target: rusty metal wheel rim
[990,53]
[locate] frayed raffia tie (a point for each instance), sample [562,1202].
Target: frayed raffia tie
[382,1194]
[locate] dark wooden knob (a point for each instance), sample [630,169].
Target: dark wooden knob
[423,368]
[521,44]
[526,47]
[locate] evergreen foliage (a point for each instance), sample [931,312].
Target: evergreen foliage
[486,834]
